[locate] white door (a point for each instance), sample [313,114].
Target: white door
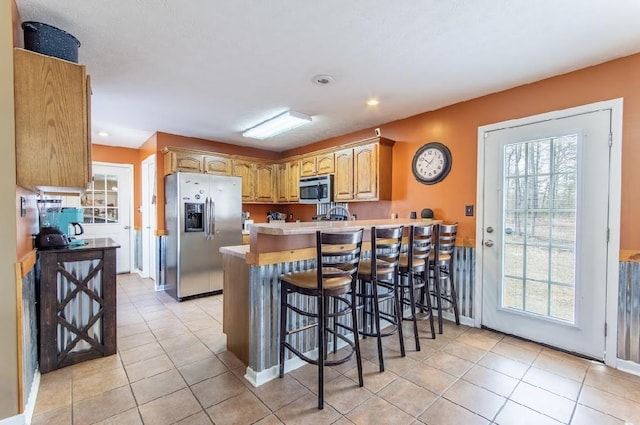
[107,207]
[149,217]
[545,230]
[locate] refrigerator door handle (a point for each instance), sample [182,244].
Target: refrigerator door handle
[206,218]
[213,218]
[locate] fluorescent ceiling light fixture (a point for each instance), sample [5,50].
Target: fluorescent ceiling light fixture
[278,124]
[373,102]
[103,134]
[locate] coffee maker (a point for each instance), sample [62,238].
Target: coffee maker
[50,235]
[69,223]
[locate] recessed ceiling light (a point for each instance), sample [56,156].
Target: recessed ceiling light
[323,79]
[373,102]
[103,134]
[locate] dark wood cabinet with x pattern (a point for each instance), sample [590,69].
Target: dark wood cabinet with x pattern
[77,297]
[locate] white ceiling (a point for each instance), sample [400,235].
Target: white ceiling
[213,68]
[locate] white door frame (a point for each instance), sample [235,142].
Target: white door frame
[148,213]
[615,183]
[129,182]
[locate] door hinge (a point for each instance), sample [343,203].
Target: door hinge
[610,139]
[605,329]
[608,234]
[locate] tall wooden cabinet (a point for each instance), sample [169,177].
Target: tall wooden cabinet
[53,127]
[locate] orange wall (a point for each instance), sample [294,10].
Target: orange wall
[457,126]
[119,155]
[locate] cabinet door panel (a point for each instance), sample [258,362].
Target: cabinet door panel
[217,165]
[325,163]
[189,163]
[343,181]
[294,181]
[366,172]
[51,122]
[282,177]
[264,183]
[246,170]
[308,166]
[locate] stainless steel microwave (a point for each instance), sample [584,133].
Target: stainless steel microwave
[316,189]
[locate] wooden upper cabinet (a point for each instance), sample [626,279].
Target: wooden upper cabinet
[325,163]
[287,177]
[318,164]
[282,180]
[182,161]
[52,123]
[343,180]
[265,183]
[308,166]
[246,170]
[294,181]
[365,171]
[216,165]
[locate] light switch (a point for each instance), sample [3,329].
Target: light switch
[468,210]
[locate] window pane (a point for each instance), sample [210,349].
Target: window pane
[537,297]
[513,264]
[512,293]
[562,302]
[537,262]
[563,266]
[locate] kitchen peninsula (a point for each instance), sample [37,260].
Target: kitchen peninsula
[252,291]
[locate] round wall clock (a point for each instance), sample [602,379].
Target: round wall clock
[431,163]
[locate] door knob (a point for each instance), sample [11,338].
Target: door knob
[488,243]
[489,229]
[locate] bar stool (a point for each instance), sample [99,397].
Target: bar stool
[443,288]
[378,284]
[414,276]
[333,279]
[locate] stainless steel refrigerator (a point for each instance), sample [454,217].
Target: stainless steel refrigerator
[202,213]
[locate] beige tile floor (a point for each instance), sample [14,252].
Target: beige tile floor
[172,367]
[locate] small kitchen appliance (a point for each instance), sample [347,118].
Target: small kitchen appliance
[316,190]
[50,235]
[69,223]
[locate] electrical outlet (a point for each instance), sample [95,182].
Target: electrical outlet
[290,216]
[468,210]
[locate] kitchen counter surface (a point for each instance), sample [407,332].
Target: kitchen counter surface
[239,251]
[90,244]
[310,227]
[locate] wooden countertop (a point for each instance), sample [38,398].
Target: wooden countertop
[310,227]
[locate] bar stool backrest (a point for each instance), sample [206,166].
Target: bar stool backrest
[420,242]
[338,255]
[447,238]
[386,243]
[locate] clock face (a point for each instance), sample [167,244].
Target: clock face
[431,163]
